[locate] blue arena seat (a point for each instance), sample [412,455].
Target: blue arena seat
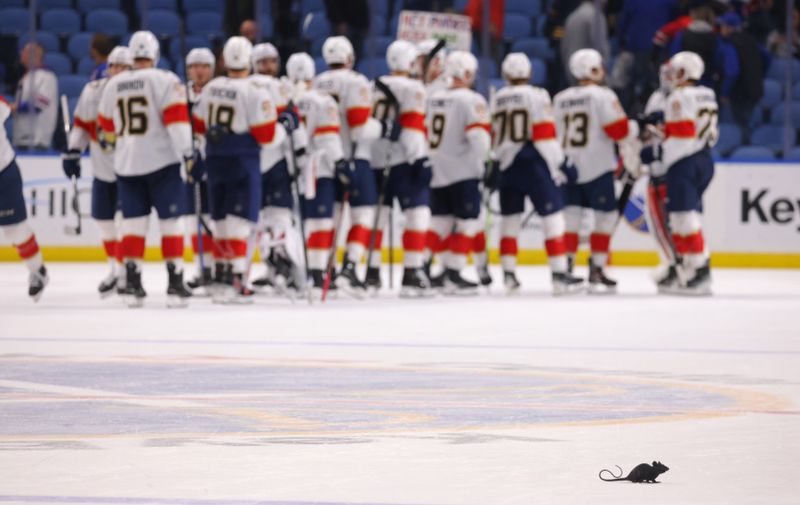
[373,67]
[179,50]
[163,23]
[13,21]
[58,63]
[316,26]
[204,5]
[777,69]
[204,23]
[460,5]
[62,22]
[87,6]
[319,64]
[497,83]
[730,137]
[43,5]
[110,22]
[46,39]
[533,47]
[11,3]
[267,27]
[752,153]
[516,26]
[308,6]
[86,66]
[539,71]
[167,5]
[71,85]
[772,93]
[769,136]
[71,104]
[793,154]
[527,7]
[488,63]
[780,111]
[164,63]
[78,45]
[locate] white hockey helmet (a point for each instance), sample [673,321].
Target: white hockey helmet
[400,56]
[264,51]
[300,67]
[686,65]
[200,56]
[337,51]
[237,52]
[120,55]
[425,47]
[586,64]
[144,45]
[516,66]
[461,65]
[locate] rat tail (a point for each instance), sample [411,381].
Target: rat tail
[616,477]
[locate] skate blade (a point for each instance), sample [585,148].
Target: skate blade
[568,290]
[108,294]
[512,290]
[346,288]
[601,289]
[177,302]
[134,303]
[239,300]
[693,292]
[464,292]
[411,293]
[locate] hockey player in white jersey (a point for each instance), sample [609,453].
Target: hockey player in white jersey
[432,75]
[239,119]
[319,113]
[409,174]
[279,239]
[530,162]
[200,65]
[459,139]
[13,214]
[590,120]
[690,131]
[143,114]
[358,130]
[105,202]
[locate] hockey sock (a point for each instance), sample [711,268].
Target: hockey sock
[554,241]
[688,237]
[358,236]
[21,235]
[320,241]
[415,236]
[600,240]
[237,230]
[383,221]
[461,243]
[479,249]
[172,241]
[134,231]
[111,245]
[509,230]
[572,219]
[190,221]
[442,228]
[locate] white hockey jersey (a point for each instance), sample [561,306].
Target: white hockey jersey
[146,110]
[351,91]
[411,98]
[589,121]
[85,129]
[458,135]
[522,114]
[6,149]
[37,101]
[656,103]
[691,117]
[320,116]
[245,108]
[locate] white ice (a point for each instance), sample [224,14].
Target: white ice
[491,400]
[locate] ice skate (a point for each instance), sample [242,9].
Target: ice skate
[347,280]
[454,284]
[699,284]
[511,283]
[238,292]
[599,284]
[36,283]
[133,293]
[415,284]
[565,283]
[177,293]
[108,286]
[202,283]
[372,282]
[669,282]
[484,277]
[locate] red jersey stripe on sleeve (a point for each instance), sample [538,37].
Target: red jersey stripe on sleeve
[485,126]
[106,124]
[263,133]
[617,130]
[358,116]
[413,120]
[89,126]
[683,129]
[176,113]
[199,125]
[543,131]
[326,129]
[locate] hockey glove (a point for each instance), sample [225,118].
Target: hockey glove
[289,120]
[390,129]
[491,175]
[343,173]
[421,171]
[650,154]
[71,163]
[569,171]
[194,168]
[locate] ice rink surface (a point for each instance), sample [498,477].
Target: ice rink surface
[490,400]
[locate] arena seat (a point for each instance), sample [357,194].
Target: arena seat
[87,6]
[516,26]
[13,21]
[46,39]
[752,153]
[78,45]
[71,85]
[163,23]
[62,22]
[108,21]
[205,23]
[59,63]
[533,47]
[86,66]
[730,137]
[204,6]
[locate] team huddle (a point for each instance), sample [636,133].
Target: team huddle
[255,162]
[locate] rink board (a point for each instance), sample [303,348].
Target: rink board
[751,219]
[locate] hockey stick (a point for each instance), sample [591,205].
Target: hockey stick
[429,57]
[300,210]
[326,284]
[75,201]
[198,211]
[387,169]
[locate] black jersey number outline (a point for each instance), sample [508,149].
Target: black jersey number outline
[581,137]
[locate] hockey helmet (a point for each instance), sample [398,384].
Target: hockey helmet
[516,66]
[237,52]
[686,65]
[586,64]
[461,65]
[337,51]
[425,47]
[400,56]
[144,45]
[264,51]
[200,56]
[300,67]
[120,55]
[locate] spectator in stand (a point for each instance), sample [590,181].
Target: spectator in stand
[351,19]
[582,31]
[758,18]
[700,38]
[36,102]
[474,10]
[744,92]
[99,49]
[249,30]
[776,42]
[639,21]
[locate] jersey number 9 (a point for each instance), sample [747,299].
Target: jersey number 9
[133,115]
[437,130]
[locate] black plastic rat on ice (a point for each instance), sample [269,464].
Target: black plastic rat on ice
[642,473]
